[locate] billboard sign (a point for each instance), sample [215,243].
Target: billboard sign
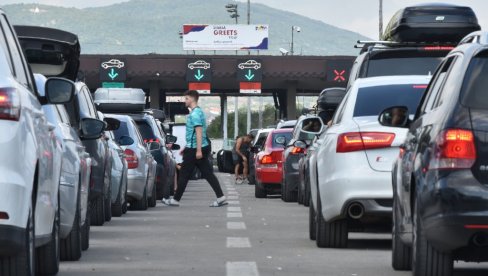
[225,37]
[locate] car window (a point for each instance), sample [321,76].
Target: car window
[123,130]
[72,111]
[441,95]
[137,133]
[340,111]
[145,130]
[21,71]
[473,91]
[371,101]
[89,102]
[409,66]
[287,136]
[435,86]
[63,115]
[6,50]
[83,103]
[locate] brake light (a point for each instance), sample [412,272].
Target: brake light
[355,141]
[267,159]
[4,216]
[9,105]
[438,48]
[297,150]
[131,158]
[454,149]
[151,140]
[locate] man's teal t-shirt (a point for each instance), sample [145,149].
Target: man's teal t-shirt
[195,119]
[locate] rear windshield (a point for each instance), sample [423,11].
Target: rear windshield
[402,66]
[261,139]
[122,131]
[371,101]
[474,92]
[145,130]
[287,136]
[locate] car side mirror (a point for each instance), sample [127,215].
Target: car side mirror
[312,126]
[153,146]
[91,129]
[112,124]
[126,141]
[395,116]
[170,139]
[59,90]
[175,147]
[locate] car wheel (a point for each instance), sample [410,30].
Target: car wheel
[330,234]
[117,206]
[108,204]
[98,211]
[312,223]
[48,255]
[124,205]
[24,262]
[140,205]
[259,192]
[427,260]
[401,254]
[286,194]
[306,193]
[152,200]
[71,245]
[299,195]
[85,230]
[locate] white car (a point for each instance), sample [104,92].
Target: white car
[352,186]
[29,175]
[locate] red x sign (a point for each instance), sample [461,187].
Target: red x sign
[339,75]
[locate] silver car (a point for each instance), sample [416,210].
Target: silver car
[141,165]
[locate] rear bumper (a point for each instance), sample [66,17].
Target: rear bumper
[12,240]
[269,175]
[135,187]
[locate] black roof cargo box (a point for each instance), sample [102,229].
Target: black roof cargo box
[330,98]
[431,23]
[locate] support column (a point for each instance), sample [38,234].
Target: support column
[291,102]
[248,114]
[154,87]
[224,116]
[260,120]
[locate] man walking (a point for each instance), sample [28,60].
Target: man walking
[196,153]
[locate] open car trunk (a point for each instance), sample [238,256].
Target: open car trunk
[50,52]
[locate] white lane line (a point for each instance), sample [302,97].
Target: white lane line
[234,209]
[232,192]
[231,189]
[242,269]
[234,215]
[238,242]
[236,225]
[232,197]
[234,202]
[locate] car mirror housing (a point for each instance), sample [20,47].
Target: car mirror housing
[175,147]
[170,139]
[91,129]
[395,116]
[300,144]
[126,141]
[153,146]
[59,90]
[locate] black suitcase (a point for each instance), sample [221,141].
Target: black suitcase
[431,23]
[330,98]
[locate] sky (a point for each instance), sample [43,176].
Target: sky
[356,15]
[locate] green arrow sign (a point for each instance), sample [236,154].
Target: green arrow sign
[199,76]
[249,75]
[112,74]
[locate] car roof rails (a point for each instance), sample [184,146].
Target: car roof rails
[478,37]
[367,46]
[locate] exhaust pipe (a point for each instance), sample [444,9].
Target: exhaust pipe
[480,240]
[355,210]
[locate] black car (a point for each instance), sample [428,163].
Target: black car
[440,180]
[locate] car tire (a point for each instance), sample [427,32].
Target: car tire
[108,204]
[259,192]
[306,193]
[330,234]
[286,194]
[300,196]
[140,205]
[427,260]
[117,206]
[98,211]
[85,230]
[312,223]
[151,202]
[124,205]
[71,245]
[48,255]
[401,254]
[23,263]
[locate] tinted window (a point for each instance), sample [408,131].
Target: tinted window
[371,101]
[287,136]
[122,131]
[145,130]
[72,113]
[6,51]
[261,139]
[402,66]
[474,92]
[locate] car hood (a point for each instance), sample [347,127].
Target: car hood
[50,52]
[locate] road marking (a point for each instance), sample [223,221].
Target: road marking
[236,225]
[237,242]
[234,209]
[242,269]
[233,197]
[234,202]
[231,189]
[234,215]
[232,192]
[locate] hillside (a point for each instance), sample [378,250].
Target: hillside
[152,26]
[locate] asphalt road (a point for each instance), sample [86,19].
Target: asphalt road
[249,237]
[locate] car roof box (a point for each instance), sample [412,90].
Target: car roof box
[431,23]
[50,52]
[330,98]
[120,100]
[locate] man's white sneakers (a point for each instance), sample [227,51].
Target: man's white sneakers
[170,202]
[221,201]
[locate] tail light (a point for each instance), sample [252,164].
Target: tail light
[355,141]
[272,158]
[454,149]
[297,150]
[9,105]
[438,48]
[151,140]
[268,159]
[4,216]
[131,158]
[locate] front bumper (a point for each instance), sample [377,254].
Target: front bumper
[12,240]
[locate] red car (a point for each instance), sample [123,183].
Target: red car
[269,163]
